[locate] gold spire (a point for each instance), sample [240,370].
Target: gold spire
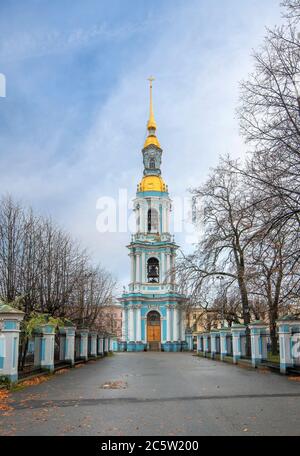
[151,126]
[151,123]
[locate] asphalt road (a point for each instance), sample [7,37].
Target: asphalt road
[165,394]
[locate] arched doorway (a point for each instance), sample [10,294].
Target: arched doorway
[153,330]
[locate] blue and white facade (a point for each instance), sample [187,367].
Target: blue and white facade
[153,310]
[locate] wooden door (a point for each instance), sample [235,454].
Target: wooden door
[153,333]
[153,330]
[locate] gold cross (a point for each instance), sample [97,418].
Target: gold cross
[151,79]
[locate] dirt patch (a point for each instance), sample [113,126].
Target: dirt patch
[295,379]
[4,397]
[118,384]
[35,381]
[61,371]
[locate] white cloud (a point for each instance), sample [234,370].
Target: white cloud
[198,60]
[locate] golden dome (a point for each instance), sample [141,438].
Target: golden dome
[151,140]
[152,184]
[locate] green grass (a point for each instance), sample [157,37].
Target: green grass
[273,358]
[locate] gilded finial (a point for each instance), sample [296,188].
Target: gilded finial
[151,123]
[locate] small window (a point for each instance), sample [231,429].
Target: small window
[152,221]
[152,163]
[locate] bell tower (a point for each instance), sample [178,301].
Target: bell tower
[152,252]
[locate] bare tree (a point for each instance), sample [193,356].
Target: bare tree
[275,280]
[229,227]
[292,9]
[46,271]
[269,115]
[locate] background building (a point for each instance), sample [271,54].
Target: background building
[110,320]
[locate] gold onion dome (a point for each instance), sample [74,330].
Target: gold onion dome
[152,184]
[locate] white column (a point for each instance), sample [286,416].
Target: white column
[172,265]
[94,345]
[144,323]
[167,218]
[138,259]
[101,347]
[258,334]
[205,343]
[9,344]
[213,344]
[182,325]
[70,345]
[163,217]
[168,268]
[286,358]
[132,268]
[123,324]
[162,267]
[138,325]
[168,324]
[131,325]
[223,344]
[44,347]
[175,325]
[84,344]
[143,267]
[138,219]
[144,218]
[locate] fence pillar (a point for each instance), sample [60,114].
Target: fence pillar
[82,346]
[100,346]
[10,319]
[237,332]
[92,344]
[44,347]
[67,352]
[189,340]
[199,343]
[259,343]
[289,342]
[223,342]
[205,344]
[213,343]
[106,345]
[110,344]
[114,344]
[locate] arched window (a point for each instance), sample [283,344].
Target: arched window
[152,221]
[153,270]
[152,163]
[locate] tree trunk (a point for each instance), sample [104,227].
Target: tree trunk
[273,316]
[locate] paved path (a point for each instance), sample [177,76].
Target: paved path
[166,394]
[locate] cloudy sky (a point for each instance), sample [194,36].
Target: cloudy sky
[74,119]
